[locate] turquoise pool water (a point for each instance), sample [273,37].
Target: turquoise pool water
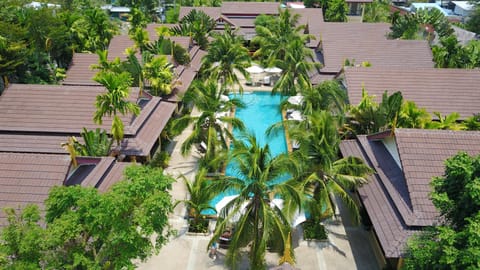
[262,110]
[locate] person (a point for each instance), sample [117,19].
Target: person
[213,251]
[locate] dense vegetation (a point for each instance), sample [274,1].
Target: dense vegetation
[453,244]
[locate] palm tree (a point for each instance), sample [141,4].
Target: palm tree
[321,173]
[261,222]
[295,68]
[212,125]
[275,37]
[413,117]
[336,11]
[449,122]
[225,57]
[158,71]
[200,197]
[328,96]
[95,29]
[197,25]
[114,101]
[377,11]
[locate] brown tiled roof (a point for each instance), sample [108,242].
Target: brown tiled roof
[79,71]
[250,8]
[367,42]
[313,17]
[152,32]
[114,175]
[27,178]
[212,12]
[397,199]
[149,133]
[118,45]
[53,109]
[435,89]
[185,42]
[32,143]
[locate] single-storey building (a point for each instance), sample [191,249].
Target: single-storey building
[435,89]
[27,178]
[38,118]
[396,198]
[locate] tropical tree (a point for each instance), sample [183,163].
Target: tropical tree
[197,25]
[454,243]
[200,196]
[446,122]
[275,34]
[12,55]
[86,229]
[295,69]
[115,101]
[226,56]
[473,22]
[212,125]
[377,11]
[472,122]
[337,11]
[411,116]
[158,72]
[96,143]
[261,223]
[96,30]
[321,173]
[420,24]
[328,96]
[370,117]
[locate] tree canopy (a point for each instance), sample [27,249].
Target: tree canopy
[455,243]
[86,229]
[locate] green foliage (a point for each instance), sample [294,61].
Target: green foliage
[419,25]
[472,122]
[89,230]
[451,54]
[158,72]
[337,11]
[370,117]
[473,22]
[160,160]
[377,11]
[225,58]
[172,15]
[114,101]
[197,25]
[96,143]
[314,230]
[456,194]
[446,122]
[260,222]
[456,243]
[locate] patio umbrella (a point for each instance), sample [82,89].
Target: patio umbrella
[295,100]
[284,266]
[254,70]
[273,70]
[223,202]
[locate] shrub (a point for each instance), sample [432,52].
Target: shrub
[314,230]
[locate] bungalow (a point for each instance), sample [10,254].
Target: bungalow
[396,198]
[27,178]
[38,118]
[435,89]
[355,43]
[242,15]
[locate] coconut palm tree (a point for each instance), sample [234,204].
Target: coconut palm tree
[226,56]
[295,68]
[200,196]
[197,25]
[321,173]
[114,101]
[212,125]
[328,96]
[261,222]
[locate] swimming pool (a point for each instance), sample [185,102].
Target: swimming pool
[261,111]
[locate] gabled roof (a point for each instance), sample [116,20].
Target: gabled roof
[79,71]
[435,89]
[28,178]
[39,118]
[368,42]
[212,12]
[118,45]
[250,8]
[397,198]
[52,109]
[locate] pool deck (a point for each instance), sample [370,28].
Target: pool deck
[348,246]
